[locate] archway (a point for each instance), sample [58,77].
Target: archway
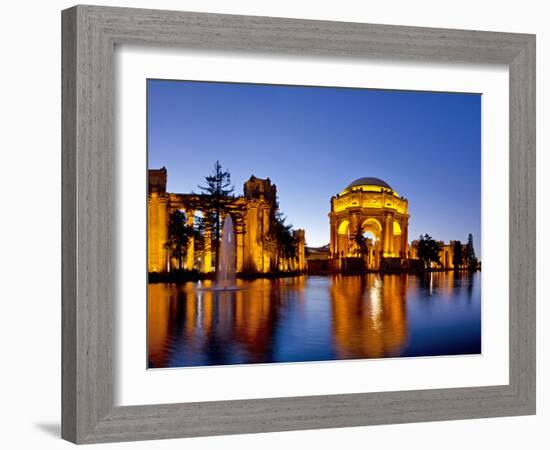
[373,226]
[343,238]
[372,232]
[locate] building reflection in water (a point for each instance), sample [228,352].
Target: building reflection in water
[211,327]
[313,319]
[369,315]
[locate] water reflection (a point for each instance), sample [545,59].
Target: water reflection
[369,316]
[314,318]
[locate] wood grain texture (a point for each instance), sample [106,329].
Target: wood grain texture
[89,36]
[68,226]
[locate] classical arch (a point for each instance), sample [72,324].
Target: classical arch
[373,226]
[343,228]
[344,237]
[398,238]
[373,232]
[396,228]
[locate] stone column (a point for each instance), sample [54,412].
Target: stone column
[333,237]
[385,235]
[190,259]
[301,254]
[207,256]
[337,243]
[250,243]
[157,234]
[404,237]
[333,225]
[354,224]
[352,230]
[392,248]
[266,261]
[152,234]
[239,240]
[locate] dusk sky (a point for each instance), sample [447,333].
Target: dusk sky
[312,142]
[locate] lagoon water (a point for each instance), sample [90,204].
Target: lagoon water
[314,318]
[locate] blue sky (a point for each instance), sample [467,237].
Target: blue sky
[314,141]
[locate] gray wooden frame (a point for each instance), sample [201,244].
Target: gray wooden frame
[89,36]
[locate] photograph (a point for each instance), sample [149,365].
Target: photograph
[270,225]
[306,223]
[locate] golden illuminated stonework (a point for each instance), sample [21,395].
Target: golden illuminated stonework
[368,221]
[251,215]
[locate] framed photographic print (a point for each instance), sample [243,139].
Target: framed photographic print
[278,224]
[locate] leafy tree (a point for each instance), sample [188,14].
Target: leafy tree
[217,196]
[361,245]
[471,260]
[179,235]
[282,238]
[428,250]
[457,255]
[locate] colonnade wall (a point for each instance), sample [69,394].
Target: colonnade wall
[251,215]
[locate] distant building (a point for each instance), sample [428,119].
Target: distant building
[251,213]
[446,255]
[317,258]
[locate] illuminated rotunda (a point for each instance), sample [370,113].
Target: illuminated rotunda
[368,207]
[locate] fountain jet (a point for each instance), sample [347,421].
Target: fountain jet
[226,274]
